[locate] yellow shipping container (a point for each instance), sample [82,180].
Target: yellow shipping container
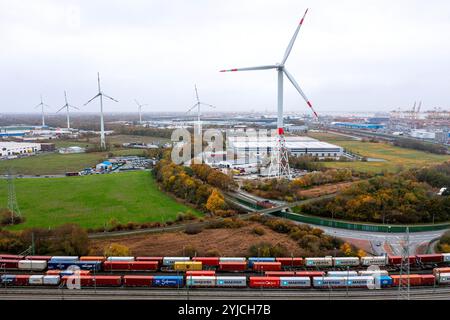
[187,265]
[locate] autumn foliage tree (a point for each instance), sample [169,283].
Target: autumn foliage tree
[215,201]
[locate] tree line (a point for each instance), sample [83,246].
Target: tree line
[421,146]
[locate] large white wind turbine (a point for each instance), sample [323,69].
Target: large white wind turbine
[198,105]
[102,123]
[279,166]
[42,105]
[140,110]
[67,106]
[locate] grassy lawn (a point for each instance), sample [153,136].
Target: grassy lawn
[92,201]
[119,139]
[395,157]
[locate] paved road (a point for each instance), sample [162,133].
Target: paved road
[427,293]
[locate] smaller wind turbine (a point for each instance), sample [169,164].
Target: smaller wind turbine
[140,110]
[67,106]
[198,105]
[102,122]
[42,105]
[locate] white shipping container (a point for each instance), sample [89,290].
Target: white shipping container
[342,273]
[373,261]
[295,282]
[373,272]
[346,261]
[64,258]
[225,281]
[444,278]
[36,280]
[326,282]
[52,280]
[232,259]
[36,265]
[446,257]
[126,259]
[201,281]
[361,281]
[319,262]
[169,261]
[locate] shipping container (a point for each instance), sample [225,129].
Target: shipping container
[266,266]
[170,261]
[187,265]
[232,259]
[120,259]
[310,274]
[414,279]
[83,265]
[252,260]
[374,261]
[349,273]
[264,282]
[430,258]
[345,261]
[446,257]
[130,265]
[64,258]
[200,281]
[290,262]
[373,272]
[319,262]
[295,282]
[137,281]
[208,261]
[93,258]
[397,260]
[233,266]
[159,259]
[7,279]
[167,281]
[444,278]
[34,280]
[10,257]
[21,280]
[34,265]
[66,272]
[9,264]
[361,282]
[427,280]
[231,281]
[51,280]
[45,258]
[436,271]
[200,273]
[107,281]
[329,282]
[279,273]
[383,280]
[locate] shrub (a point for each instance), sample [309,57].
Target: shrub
[193,229]
[259,231]
[189,251]
[264,249]
[118,250]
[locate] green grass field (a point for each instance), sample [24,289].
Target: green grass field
[396,158]
[92,201]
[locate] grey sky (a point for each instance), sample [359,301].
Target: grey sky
[350,55]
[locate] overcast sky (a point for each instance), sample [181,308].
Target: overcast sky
[350,55]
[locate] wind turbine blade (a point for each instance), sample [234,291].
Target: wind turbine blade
[192,107]
[295,84]
[196,93]
[137,103]
[63,107]
[98,94]
[291,43]
[251,68]
[98,81]
[208,105]
[38,106]
[73,107]
[110,97]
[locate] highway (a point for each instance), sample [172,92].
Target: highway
[425,293]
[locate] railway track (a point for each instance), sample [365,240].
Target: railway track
[429,293]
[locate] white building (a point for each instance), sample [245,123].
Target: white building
[18,148]
[254,147]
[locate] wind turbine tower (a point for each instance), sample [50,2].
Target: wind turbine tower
[140,110]
[279,165]
[67,106]
[198,105]
[100,94]
[42,105]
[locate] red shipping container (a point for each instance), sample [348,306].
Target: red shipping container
[290,262]
[267,266]
[159,259]
[233,266]
[108,281]
[10,257]
[433,258]
[428,280]
[207,261]
[46,258]
[414,279]
[200,273]
[92,258]
[279,273]
[137,281]
[309,274]
[397,260]
[264,282]
[130,265]
[9,264]
[22,280]
[436,271]
[85,280]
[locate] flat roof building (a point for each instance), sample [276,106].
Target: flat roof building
[18,148]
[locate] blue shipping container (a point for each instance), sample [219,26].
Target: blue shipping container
[167,281]
[83,265]
[385,281]
[259,259]
[6,278]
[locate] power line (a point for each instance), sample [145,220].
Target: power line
[13,206]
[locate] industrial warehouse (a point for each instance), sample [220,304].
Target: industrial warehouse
[17,148]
